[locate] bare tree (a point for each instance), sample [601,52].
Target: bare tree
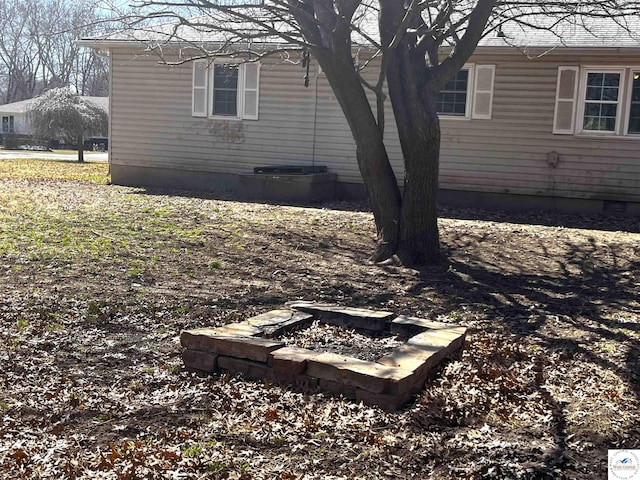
[38,52]
[405,40]
[19,60]
[60,113]
[56,26]
[91,74]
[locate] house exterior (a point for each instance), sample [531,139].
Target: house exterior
[14,118]
[534,120]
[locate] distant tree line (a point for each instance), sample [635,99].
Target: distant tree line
[38,53]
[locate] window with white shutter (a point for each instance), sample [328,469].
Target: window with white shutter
[225,89]
[597,101]
[454,98]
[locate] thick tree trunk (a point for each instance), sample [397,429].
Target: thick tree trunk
[413,99]
[80,141]
[419,238]
[415,75]
[414,107]
[373,161]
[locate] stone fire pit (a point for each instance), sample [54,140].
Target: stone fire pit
[251,348]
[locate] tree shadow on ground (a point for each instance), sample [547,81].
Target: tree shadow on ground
[591,221]
[568,302]
[232,196]
[588,291]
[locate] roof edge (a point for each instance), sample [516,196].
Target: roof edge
[106,44]
[536,50]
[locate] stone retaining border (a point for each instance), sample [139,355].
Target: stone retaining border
[248,348]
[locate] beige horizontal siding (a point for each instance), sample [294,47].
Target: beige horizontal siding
[152,123]
[508,154]
[152,126]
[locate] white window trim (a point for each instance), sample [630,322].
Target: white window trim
[622,101]
[239,91]
[470,92]
[240,99]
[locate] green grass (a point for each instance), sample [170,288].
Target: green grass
[40,227]
[54,327]
[22,324]
[217,466]
[214,265]
[29,168]
[192,451]
[104,417]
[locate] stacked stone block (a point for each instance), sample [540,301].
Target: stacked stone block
[249,348]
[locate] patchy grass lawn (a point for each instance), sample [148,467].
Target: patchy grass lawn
[97,282]
[55,170]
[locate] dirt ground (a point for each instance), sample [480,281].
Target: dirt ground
[97,281]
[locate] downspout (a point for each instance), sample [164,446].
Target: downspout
[315,118]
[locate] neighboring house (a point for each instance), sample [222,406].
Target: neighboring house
[534,120]
[14,115]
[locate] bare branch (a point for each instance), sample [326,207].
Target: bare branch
[466,45]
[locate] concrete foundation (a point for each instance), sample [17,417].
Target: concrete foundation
[133,176]
[325,186]
[307,188]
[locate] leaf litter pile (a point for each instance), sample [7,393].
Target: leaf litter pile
[97,282]
[322,337]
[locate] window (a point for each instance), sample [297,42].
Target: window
[225,90]
[452,99]
[597,101]
[469,94]
[634,110]
[8,125]
[601,101]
